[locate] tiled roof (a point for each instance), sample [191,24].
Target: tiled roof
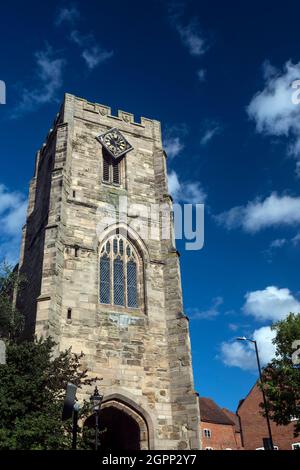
[210,412]
[233,418]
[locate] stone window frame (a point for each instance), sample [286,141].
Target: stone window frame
[140,276]
[296,444]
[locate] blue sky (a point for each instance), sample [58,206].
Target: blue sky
[218,76]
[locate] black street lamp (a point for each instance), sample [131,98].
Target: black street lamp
[96,400]
[243,338]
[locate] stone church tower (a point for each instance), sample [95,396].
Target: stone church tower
[98,284]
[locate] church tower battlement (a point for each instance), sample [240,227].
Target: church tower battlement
[97,284]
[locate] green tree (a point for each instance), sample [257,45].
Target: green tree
[11,321]
[32,389]
[282,375]
[33,382]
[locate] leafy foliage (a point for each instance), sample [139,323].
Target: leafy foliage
[32,389]
[11,321]
[282,375]
[33,383]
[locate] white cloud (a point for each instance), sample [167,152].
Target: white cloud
[188,191]
[174,139]
[81,39]
[173,146]
[7,200]
[269,70]
[173,184]
[192,192]
[235,354]
[259,214]
[201,74]
[281,242]
[274,246]
[92,53]
[12,217]
[192,38]
[67,15]
[190,33]
[273,109]
[209,133]
[278,243]
[78,38]
[212,312]
[271,303]
[49,80]
[264,337]
[242,354]
[296,239]
[233,326]
[96,56]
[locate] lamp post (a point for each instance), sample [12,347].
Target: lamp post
[70,410]
[243,338]
[96,400]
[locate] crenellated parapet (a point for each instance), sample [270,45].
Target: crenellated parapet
[75,107]
[99,113]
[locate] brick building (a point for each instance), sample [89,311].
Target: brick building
[219,428]
[254,426]
[237,425]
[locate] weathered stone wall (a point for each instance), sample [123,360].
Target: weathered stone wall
[142,354]
[33,241]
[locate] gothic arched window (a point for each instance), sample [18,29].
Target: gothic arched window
[119,268]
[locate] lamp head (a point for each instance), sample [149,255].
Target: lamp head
[96,399]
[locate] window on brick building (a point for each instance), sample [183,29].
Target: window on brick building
[209,448]
[262,448]
[119,273]
[296,446]
[207,433]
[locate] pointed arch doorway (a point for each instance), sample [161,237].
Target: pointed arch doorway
[121,427]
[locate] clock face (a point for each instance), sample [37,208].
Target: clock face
[114,142]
